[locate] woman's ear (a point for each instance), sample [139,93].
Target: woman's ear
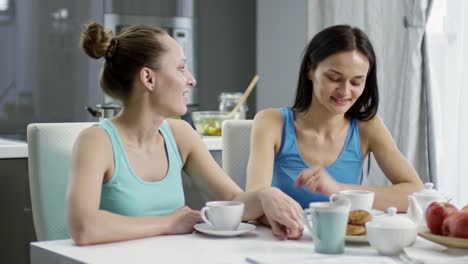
[148,78]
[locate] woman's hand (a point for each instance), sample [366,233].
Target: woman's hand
[284,214]
[318,180]
[182,220]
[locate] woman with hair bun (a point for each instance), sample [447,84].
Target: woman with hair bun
[125,178]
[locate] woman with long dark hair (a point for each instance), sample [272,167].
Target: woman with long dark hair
[316,147]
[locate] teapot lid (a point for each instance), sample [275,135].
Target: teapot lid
[428,191]
[392,220]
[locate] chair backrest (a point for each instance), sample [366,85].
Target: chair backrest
[49,154]
[236,149]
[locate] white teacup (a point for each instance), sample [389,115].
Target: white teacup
[360,199]
[223,215]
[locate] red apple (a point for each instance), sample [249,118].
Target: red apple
[448,224]
[436,212]
[456,225]
[465,208]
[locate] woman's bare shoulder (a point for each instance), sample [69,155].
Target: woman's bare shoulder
[374,131]
[93,145]
[185,136]
[180,128]
[93,136]
[372,125]
[268,125]
[269,118]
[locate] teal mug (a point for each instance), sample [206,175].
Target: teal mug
[327,222]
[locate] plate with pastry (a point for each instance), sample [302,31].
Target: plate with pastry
[357,239]
[356,229]
[356,234]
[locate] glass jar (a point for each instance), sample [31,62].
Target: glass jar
[227,102]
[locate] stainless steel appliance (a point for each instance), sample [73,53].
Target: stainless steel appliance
[176,17]
[108,110]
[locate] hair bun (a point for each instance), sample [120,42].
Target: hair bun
[96,40]
[112,48]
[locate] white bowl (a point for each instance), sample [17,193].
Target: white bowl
[391,233]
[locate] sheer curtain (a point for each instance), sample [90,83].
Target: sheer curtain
[447,42]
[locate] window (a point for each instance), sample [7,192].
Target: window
[447,39]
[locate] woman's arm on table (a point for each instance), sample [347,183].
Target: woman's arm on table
[375,138]
[394,165]
[205,172]
[265,140]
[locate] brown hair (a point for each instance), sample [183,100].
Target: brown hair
[125,54]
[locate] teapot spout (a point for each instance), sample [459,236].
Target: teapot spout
[414,212]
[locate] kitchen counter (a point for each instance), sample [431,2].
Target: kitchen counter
[10,149]
[213,143]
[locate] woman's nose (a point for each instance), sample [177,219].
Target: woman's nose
[191,80]
[343,87]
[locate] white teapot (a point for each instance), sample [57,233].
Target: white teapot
[419,201]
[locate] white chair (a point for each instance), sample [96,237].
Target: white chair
[50,147]
[236,149]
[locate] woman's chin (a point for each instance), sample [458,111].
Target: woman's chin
[341,110]
[182,111]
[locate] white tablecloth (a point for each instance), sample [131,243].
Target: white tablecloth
[257,247]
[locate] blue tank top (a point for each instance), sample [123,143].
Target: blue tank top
[289,162]
[127,194]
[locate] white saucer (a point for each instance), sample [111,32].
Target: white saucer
[357,239]
[208,229]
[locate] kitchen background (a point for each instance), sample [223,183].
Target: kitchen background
[45,77]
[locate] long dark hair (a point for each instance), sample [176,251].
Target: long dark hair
[330,41]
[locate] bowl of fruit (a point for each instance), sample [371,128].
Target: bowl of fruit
[447,225]
[209,123]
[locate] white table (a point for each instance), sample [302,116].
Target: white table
[259,245]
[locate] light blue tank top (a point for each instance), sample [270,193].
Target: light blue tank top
[127,194]
[289,162]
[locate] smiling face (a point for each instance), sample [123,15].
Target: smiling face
[173,79]
[339,80]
